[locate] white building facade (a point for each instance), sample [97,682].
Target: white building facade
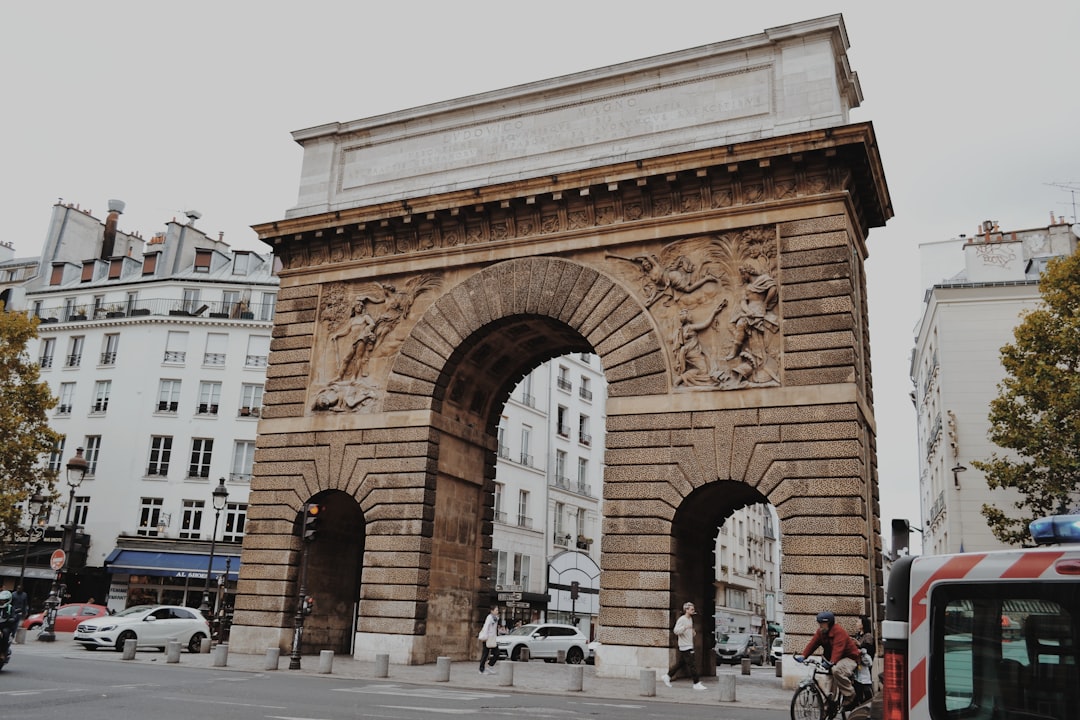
[156,351]
[980,287]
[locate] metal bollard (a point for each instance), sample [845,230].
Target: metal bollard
[273,656]
[20,636]
[726,683]
[221,655]
[326,662]
[382,665]
[129,650]
[746,666]
[647,683]
[204,646]
[779,668]
[523,655]
[172,651]
[506,674]
[442,669]
[575,678]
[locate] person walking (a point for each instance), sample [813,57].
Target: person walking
[684,631]
[20,604]
[488,636]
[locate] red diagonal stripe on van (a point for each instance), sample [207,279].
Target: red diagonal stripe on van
[918,683]
[956,567]
[1031,565]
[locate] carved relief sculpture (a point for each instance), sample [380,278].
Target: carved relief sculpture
[354,336]
[697,279]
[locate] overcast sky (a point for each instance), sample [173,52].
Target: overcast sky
[179,106]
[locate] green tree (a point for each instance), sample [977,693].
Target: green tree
[1037,411]
[26,435]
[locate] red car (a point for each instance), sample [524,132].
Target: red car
[68,617]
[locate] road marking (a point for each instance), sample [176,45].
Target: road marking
[436,693]
[613,705]
[445,711]
[222,702]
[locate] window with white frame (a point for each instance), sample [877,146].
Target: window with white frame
[585,390]
[527,391]
[109,347]
[56,457]
[526,443]
[209,398]
[500,514]
[562,381]
[191,520]
[266,307]
[102,388]
[243,461]
[562,425]
[160,455]
[217,345]
[583,477]
[168,395]
[500,568]
[583,430]
[75,350]
[48,349]
[521,570]
[93,449]
[80,509]
[251,400]
[258,350]
[560,469]
[201,451]
[235,518]
[149,516]
[176,347]
[560,533]
[581,522]
[229,300]
[523,519]
[191,299]
[67,398]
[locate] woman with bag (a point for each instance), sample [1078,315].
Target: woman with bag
[488,636]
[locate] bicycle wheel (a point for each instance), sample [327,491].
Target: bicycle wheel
[807,704]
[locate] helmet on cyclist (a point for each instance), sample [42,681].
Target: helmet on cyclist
[826,616]
[5,597]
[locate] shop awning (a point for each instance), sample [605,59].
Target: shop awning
[169,564]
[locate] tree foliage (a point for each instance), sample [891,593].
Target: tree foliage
[26,435]
[1037,411]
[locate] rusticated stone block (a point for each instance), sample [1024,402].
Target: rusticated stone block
[665,421]
[795,524]
[807,226]
[820,376]
[816,413]
[818,324]
[635,599]
[807,546]
[821,431]
[655,384]
[819,358]
[819,341]
[630,580]
[636,617]
[635,440]
[636,636]
[841,269]
[835,565]
[820,256]
[818,306]
[812,290]
[660,563]
[645,365]
[290,343]
[636,544]
[810,242]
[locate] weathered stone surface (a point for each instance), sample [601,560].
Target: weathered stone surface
[822,224]
[811,241]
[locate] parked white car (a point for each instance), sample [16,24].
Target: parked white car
[148,625]
[545,640]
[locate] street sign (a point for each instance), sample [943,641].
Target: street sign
[56,561]
[509,597]
[515,604]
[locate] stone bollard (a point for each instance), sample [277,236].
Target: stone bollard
[523,655]
[442,669]
[560,657]
[172,651]
[204,646]
[575,678]
[326,662]
[647,683]
[382,665]
[726,683]
[779,668]
[129,650]
[506,674]
[221,655]
[20,636]
[273,657]
[746,666]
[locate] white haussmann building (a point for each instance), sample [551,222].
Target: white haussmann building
[977,289]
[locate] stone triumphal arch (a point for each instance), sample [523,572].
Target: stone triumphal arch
[698,220]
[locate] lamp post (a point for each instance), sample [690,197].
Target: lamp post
[76,472]
[34,505]
[956,470]
[220,497]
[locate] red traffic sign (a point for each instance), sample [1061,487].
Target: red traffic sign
[56,561]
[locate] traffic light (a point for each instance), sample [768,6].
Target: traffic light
[312,511]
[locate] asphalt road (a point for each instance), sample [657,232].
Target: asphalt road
[45,685]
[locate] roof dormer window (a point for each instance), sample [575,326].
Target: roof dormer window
[202,261]
[87,271]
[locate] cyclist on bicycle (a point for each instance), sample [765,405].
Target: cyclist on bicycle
[840,652]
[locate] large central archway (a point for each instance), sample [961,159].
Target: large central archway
[720,284]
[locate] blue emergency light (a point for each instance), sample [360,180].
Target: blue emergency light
[1055,529]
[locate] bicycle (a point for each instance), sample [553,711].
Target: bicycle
[812,702]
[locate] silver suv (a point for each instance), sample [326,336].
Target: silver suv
[545,640]
[733,647]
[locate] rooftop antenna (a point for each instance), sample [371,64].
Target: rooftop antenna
[1072,188]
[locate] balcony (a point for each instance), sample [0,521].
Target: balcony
[500,517]
[215,310]
[175,356]
[584,489]
[526,460]
[564,384]
[73,360]
[585,393]
[108,358]
[240,477]
[195,473]
[563,430]
[100,406]
[561,481]
[585,439]
[157,470]
[562,539]
[166,406]
[45,361]
[207,409]
[255,361]
[524,521]
[250,412]
[528,399]
[215,359]
[63,409]
[504,452]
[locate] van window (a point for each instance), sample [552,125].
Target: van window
[1005,650]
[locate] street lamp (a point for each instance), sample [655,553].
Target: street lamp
[76,472]
[34,505]
[220,497]
[956,470]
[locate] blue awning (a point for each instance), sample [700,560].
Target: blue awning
[170,564]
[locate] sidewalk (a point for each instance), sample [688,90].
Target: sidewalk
[761,689]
